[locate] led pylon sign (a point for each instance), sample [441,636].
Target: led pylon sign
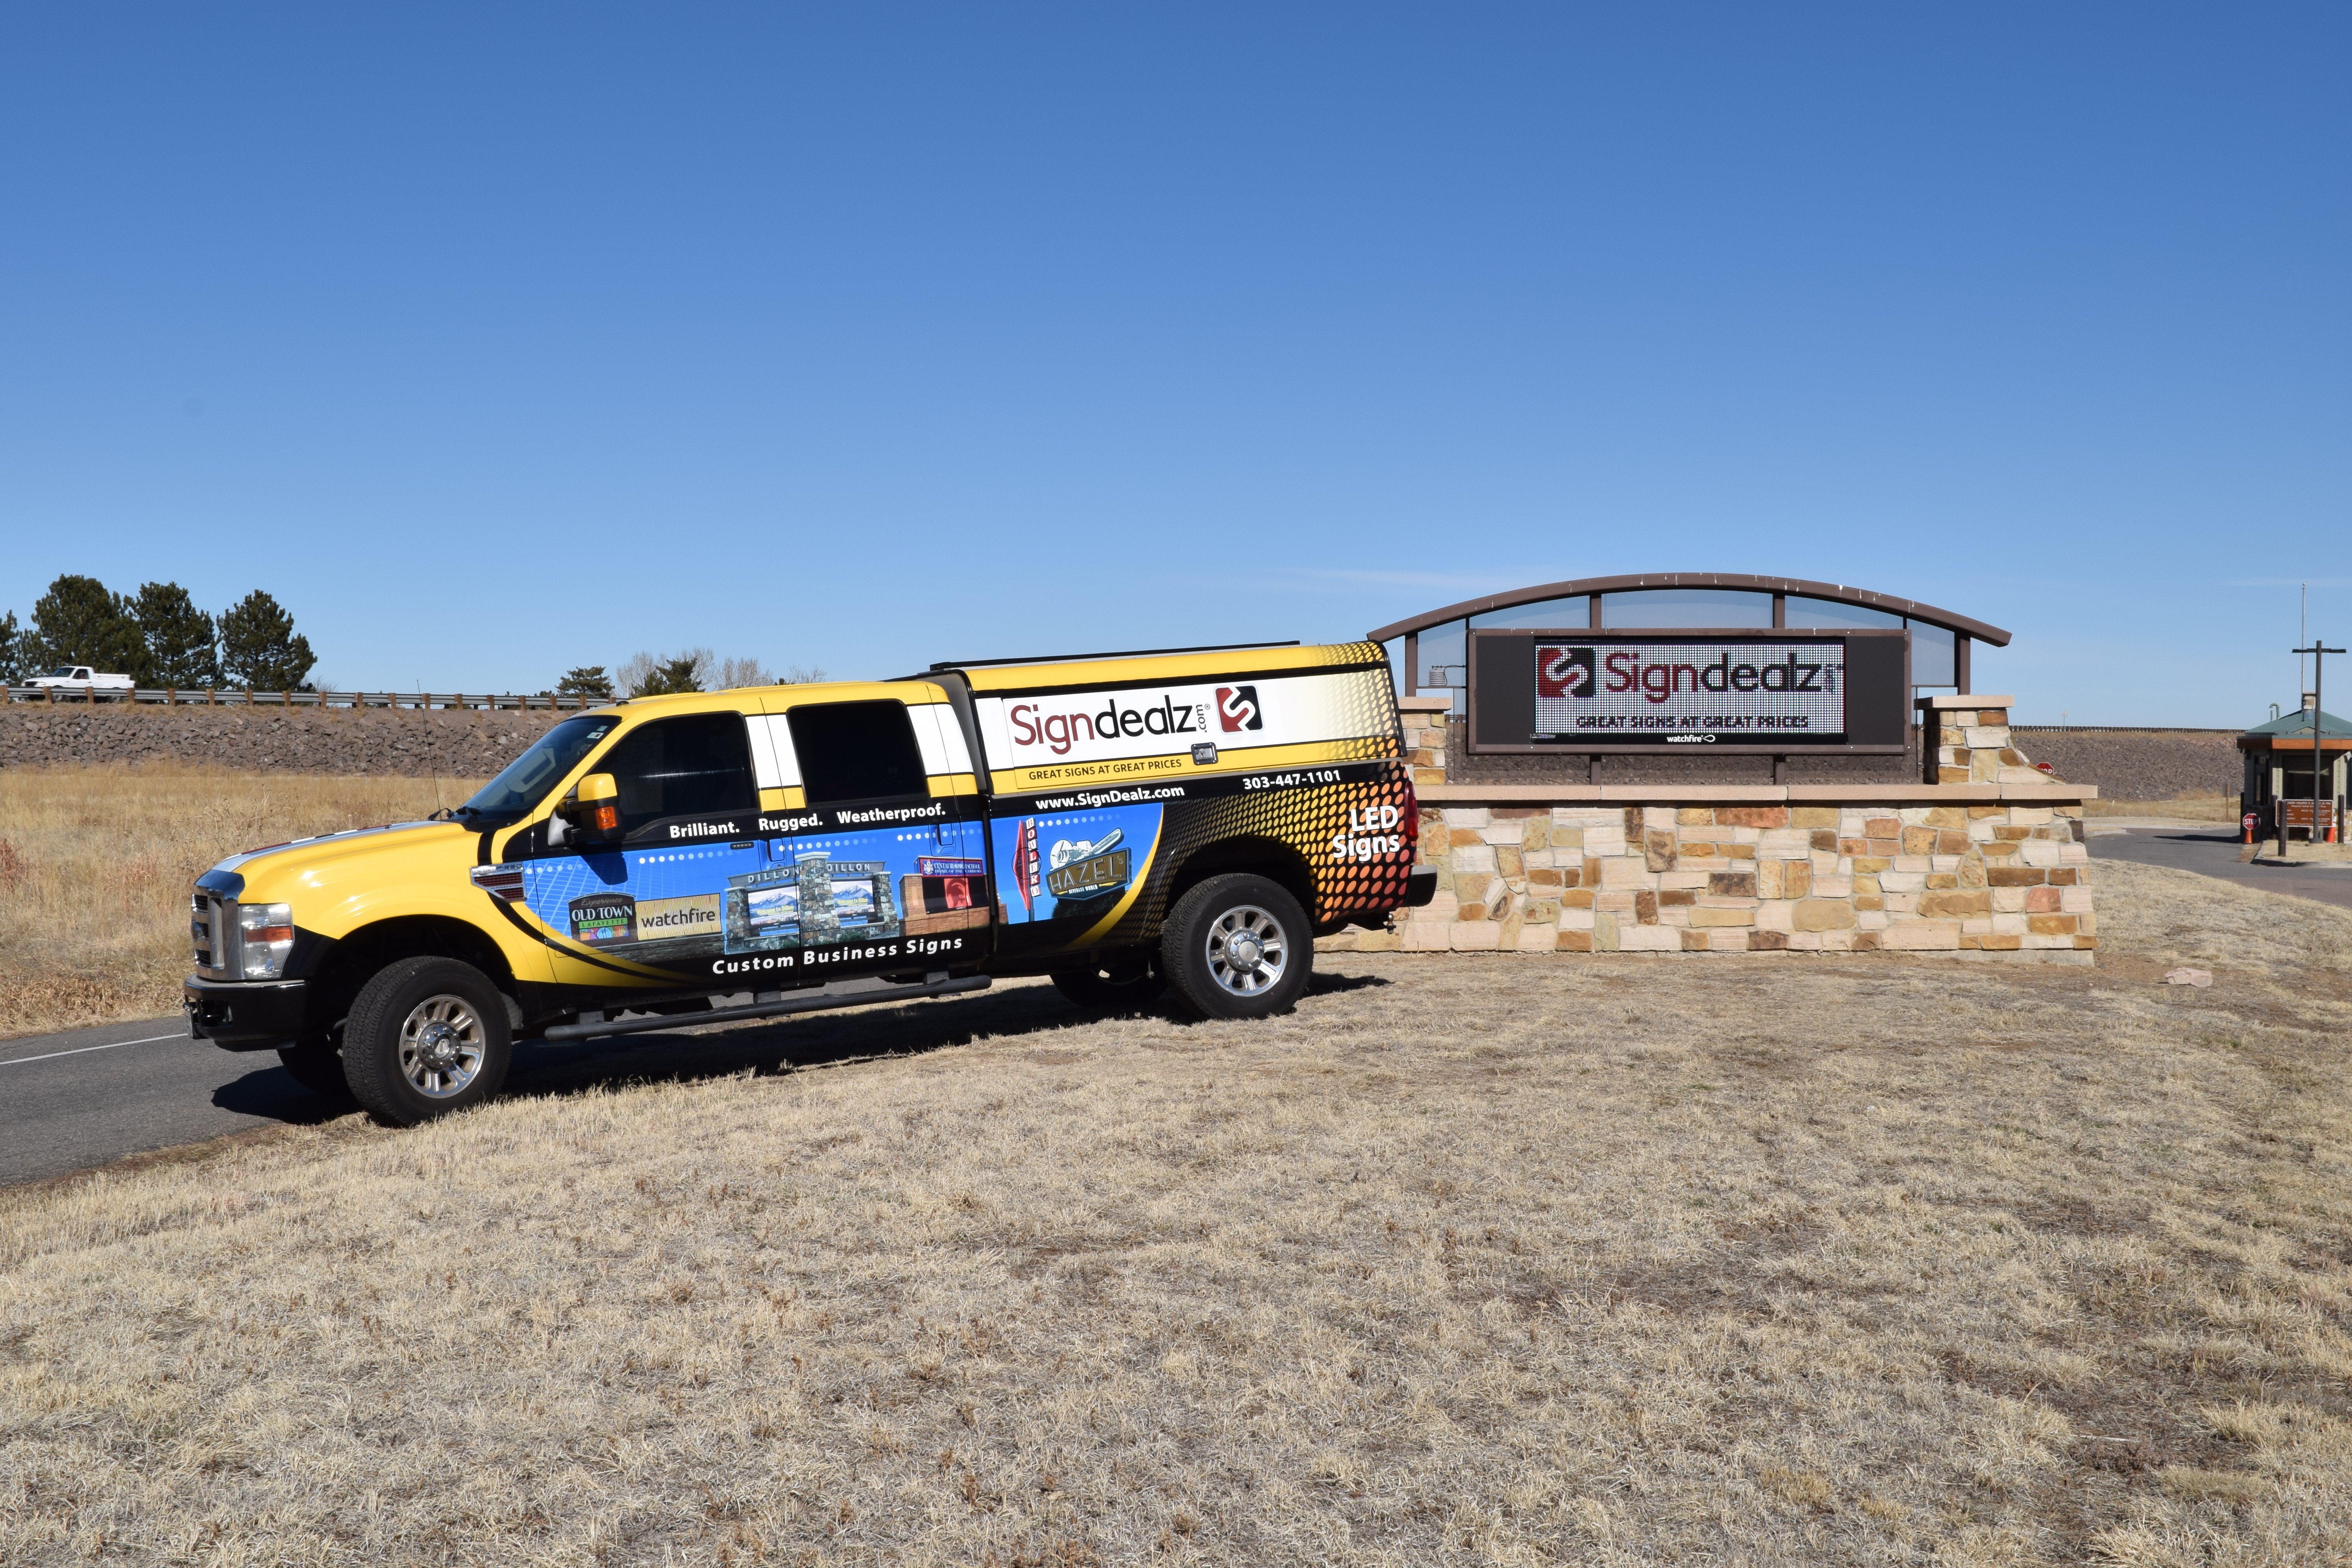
[1609,691]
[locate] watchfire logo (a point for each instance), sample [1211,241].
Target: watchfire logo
[1237,709]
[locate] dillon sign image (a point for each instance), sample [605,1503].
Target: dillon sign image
[1602,691]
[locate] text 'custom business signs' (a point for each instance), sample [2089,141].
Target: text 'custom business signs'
[1600,691]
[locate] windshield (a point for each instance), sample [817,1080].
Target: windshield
[526,780]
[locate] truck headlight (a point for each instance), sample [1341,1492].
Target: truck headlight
[265,936]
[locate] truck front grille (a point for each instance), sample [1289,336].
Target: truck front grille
[212,924]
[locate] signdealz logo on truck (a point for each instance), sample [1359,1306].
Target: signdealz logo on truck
[1237,709]
[1041,740]
[1057,733]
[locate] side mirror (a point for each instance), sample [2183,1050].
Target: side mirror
[593,810]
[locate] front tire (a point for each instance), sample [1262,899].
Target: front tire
[1112,982]
[427,1036]
[1238,946]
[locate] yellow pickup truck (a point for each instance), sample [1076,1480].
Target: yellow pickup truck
[1182,821]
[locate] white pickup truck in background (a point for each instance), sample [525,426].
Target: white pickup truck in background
[82,680]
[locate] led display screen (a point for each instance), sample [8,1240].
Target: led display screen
[1786,691]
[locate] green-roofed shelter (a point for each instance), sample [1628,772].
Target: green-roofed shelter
[2278,758]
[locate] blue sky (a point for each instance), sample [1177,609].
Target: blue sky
[498,342]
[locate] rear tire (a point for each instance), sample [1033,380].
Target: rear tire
[318,1069]
[427,1036]
[1236,946]
[1112,982]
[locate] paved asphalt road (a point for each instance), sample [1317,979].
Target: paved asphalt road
[2214,851]
[77,1100]
[72,1100]
[92,1095]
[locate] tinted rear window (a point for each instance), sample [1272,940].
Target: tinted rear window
[857,751]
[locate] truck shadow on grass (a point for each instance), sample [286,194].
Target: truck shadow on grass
[765,1049]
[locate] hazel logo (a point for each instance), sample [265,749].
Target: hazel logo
[1237,709]
[1564,672]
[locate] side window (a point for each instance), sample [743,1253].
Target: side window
[857,751]
[682,767]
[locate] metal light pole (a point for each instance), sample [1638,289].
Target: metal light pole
[2318,692]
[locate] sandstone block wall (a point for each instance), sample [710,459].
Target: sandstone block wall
[1975,745]
[1752,878]
[1425,734]
[1989,865]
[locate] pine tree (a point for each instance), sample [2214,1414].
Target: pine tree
[669,675]
[260,650]
[77,621]
[587,680]
[649,675]
[181,651]
[12,652]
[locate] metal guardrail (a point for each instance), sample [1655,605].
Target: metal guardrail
[242,698]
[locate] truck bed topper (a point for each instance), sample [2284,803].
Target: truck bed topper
[1087,657]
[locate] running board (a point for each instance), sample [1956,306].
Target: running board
[864,992]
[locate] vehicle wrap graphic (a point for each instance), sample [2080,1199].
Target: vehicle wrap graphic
[815,900]
[1036,740]
[603,919]
[1024,869]
[1076,866]
[761,905]
[1120,778]
[1237,709]
[1348,826]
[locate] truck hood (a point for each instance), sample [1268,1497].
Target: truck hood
[278,870]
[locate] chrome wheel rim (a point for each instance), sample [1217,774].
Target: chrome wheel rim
[442,1045]
[1247,950]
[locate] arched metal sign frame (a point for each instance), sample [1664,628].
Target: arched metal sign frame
[1965,629]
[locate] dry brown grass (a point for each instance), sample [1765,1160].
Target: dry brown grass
[95,865]
[1479,1260]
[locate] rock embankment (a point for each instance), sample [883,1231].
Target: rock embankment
[451,743]
[2139,765]
[2126,764]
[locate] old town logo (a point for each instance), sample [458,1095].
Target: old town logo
[1237,709]
[603,918]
